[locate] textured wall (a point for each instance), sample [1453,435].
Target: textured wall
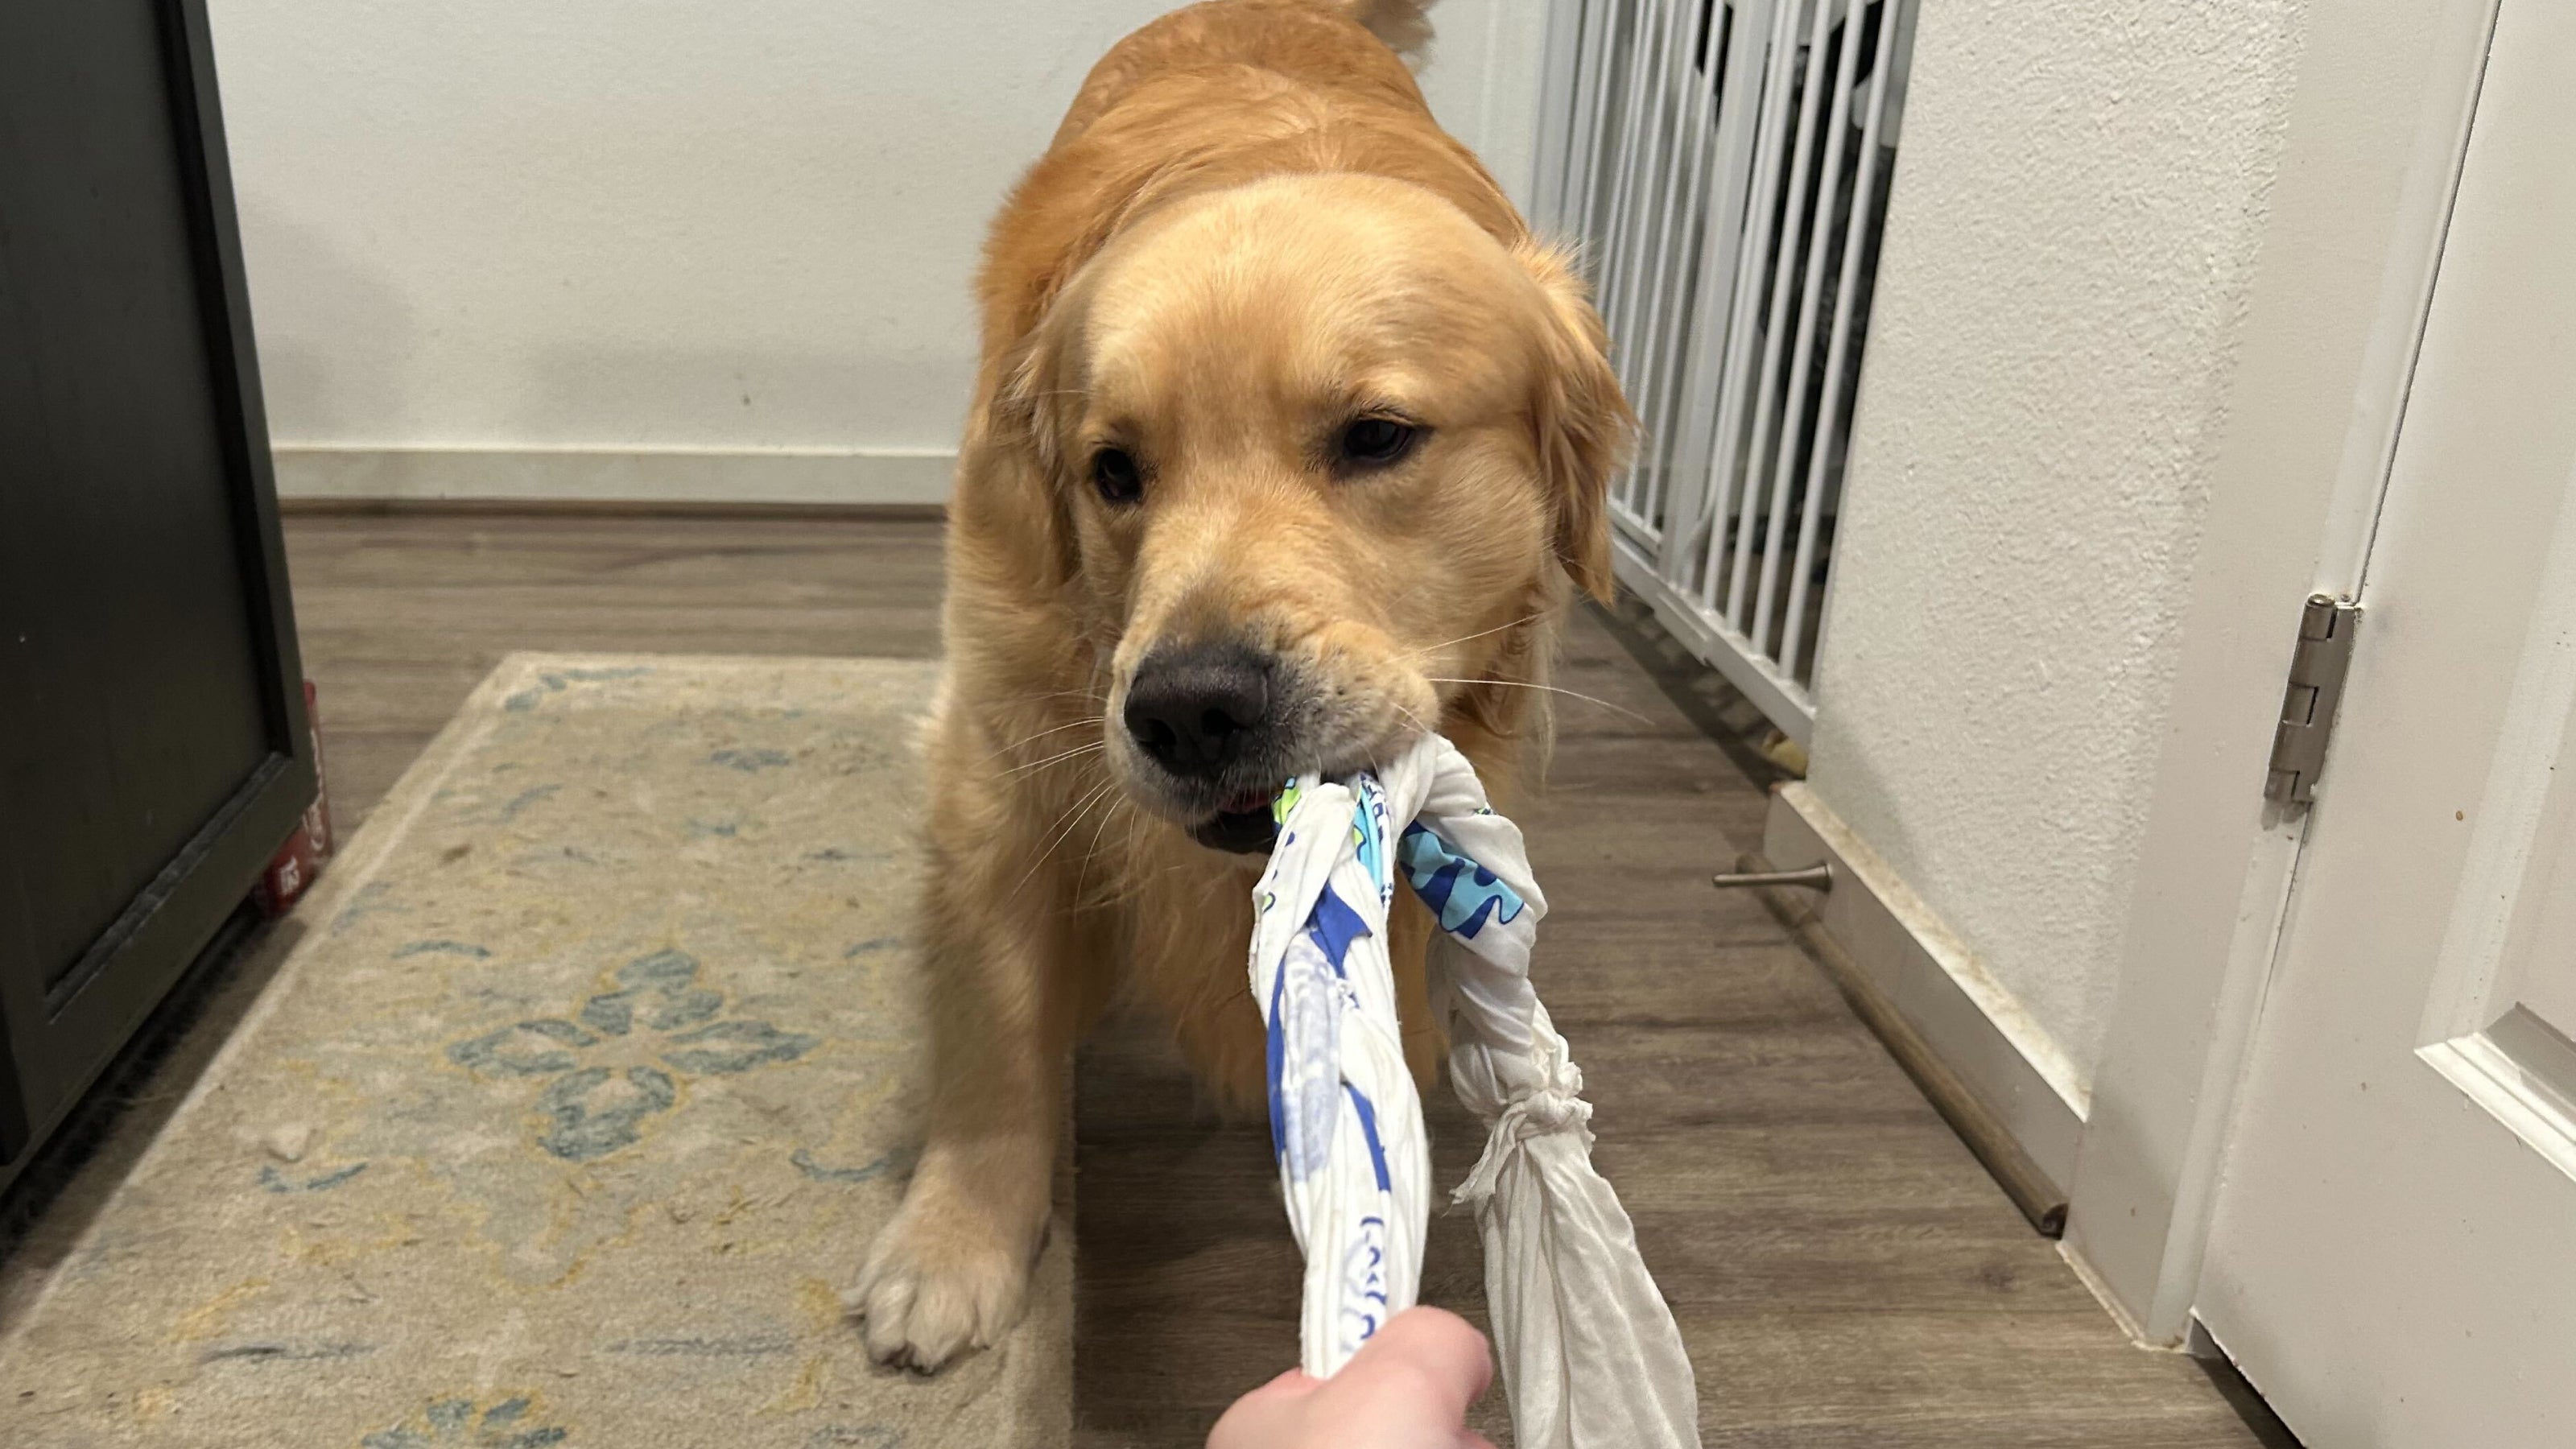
[2070,242]
[652,223]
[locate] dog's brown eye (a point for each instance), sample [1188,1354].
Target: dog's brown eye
[1114,473]
[1376,442]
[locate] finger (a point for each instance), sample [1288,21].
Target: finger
[1288,1388]
[1444,1348]
[1288,1385]
[1257,1419]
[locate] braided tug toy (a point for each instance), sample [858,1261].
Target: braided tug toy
[1590,1356]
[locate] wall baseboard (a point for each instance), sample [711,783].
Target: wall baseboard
[1964,1020]
[650,476]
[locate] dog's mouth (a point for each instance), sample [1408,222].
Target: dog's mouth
[1241,825]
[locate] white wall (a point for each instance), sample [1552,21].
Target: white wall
[2071,239]
[635,225]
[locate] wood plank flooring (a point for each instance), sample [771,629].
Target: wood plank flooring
[1845,1273]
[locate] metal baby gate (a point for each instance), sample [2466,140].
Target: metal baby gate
[1724,166]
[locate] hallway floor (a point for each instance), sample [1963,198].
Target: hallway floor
[1845,1272]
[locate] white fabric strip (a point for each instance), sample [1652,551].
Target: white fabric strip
[1590,1355]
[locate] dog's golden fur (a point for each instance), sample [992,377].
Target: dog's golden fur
[1247,232]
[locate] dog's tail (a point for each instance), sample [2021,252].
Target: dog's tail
[1405,25]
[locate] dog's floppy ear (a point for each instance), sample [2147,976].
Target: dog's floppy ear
[1022,396]
[1583,421]
[1016,434]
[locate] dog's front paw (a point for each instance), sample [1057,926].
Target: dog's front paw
[937,1282]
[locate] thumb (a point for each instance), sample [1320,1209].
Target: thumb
[1258,1418]
[1435,1348]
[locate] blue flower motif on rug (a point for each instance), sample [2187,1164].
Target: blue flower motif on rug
[592,1108]
[454,1424]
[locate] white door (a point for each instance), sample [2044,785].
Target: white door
[2393,1258]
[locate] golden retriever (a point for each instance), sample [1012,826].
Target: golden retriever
[1287,444]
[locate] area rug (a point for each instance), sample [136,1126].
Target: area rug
[578,1101]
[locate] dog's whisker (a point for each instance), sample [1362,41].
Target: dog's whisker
[1091,705]
[1093,853]
[1089,692]
[1379,762]
[1074,818]
[1059,729]
[1550,689]
[1410,717]
[1479,634]
[1033,739]
[1085,748]
[1118,811]
[1107,806]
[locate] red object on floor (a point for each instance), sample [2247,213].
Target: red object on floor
[291,871]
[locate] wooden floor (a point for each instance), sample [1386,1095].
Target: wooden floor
[1845,1273]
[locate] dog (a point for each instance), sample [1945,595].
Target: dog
[1288,443]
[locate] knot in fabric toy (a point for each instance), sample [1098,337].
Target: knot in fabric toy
[1590,1355]
[1558,1105]
[1552,1107]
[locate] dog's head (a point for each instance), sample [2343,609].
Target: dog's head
[1321,447]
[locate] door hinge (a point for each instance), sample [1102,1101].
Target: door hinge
[2324,655]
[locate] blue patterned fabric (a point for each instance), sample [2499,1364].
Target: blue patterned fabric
[1463,894]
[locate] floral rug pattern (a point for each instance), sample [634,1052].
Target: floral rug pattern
[589,1076]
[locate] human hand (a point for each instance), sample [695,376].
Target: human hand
[1407,1388]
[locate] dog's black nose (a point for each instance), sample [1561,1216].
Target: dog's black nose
[1195,711]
